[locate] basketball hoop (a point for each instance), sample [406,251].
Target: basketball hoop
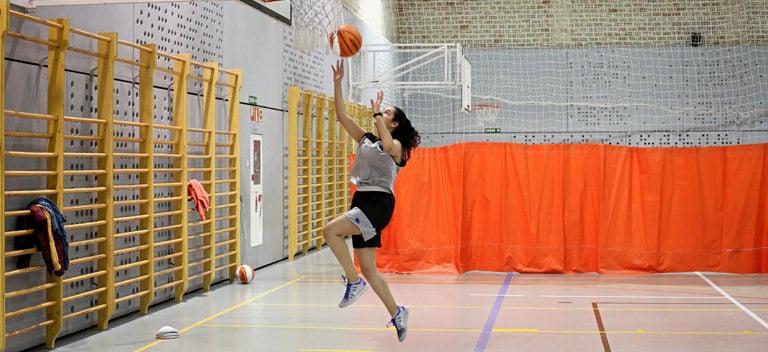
[486,113]
[313,21]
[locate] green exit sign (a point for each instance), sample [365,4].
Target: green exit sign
[493,130]
[252,100]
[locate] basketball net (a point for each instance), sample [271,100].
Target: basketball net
[313,21]
[486,113]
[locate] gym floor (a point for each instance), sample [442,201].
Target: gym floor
[292,306]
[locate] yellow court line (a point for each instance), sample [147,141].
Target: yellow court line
[497,330]
[585,283]
[638,332]
[589,309]
[307,350]
[209,318]
[299,327]
[293,327]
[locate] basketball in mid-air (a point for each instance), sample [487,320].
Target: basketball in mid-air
[245,274]
[346,40]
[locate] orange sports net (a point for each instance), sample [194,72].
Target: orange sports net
[571,208]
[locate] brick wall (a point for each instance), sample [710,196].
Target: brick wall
[558,23]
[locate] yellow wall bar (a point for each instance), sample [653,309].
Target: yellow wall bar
[305,157]
[148,60]
[293,172]
[321,166]
[346,150]
[236,82]
[4,18]
[106,109]
[58,38]
[318,166]
[56,92]
[180,111]
[333,165]
[211,76]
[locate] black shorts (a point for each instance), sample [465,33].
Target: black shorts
[378,208]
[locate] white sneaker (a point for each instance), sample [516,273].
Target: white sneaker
[400,322]
[353,292]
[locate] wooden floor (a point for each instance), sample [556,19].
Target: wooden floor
[292,306]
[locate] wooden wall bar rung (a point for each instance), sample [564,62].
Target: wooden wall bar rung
[167,228]
[84,120]
[30,154]
[27,134]
[82,207]
[130,155]
[43,287]
[30,173]
[28,309]
[44,324]
[131,233]
[132,265]
[81,138]
[168,170]
[26,193]
[84,155]
[86,242]
[87,259]
[166,243]
[44,42]
[168,271]
[85,311]
[134,280]
[85,294]
[84,189]
[129,171]
[130,123]
[29,115]
[137,187]
[131,218]
[20,252]
[130,297]
[83,172]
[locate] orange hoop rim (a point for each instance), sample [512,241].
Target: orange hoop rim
[487,106]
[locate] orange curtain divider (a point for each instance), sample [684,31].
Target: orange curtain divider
[573,208]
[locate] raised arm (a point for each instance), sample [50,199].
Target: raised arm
[390,145]
[354,130]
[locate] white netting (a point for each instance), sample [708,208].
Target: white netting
[313,21]
[486,113]
[702,84]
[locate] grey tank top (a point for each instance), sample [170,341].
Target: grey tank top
[373,169]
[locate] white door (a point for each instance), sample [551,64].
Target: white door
[256,192]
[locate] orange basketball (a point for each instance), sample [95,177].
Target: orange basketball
[346,40]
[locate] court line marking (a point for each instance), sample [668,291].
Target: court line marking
[554,308]
[494,295]
[733,300]
[628,296]
[225,311]
[313,350]
[601,328]
[337,328]
[482,342]
[495,330]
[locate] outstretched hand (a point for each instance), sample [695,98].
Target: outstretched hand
[338,71]
[376,104]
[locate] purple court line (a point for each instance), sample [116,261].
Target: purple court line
[483,341]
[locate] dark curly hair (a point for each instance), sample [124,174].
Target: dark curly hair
[405,133]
